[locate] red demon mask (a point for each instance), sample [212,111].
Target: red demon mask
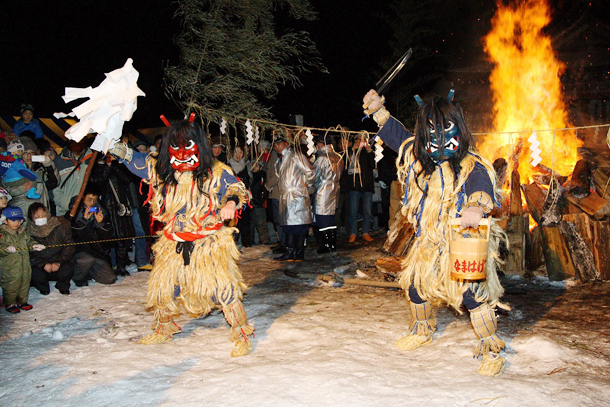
[184,158]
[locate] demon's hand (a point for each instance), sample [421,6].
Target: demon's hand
[372,104]
[121,152]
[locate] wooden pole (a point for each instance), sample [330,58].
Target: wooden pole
[516,231]
[79,197]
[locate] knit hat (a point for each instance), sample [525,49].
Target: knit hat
[4,192]
[15,146]
[27,106]
[28,144]
[13,213]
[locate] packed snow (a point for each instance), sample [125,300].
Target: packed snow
[315,345]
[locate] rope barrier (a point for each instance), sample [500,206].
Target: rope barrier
[91,241]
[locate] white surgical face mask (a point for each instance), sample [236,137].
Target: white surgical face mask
[40,221]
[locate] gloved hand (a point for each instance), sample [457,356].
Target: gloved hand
[471,217]
[372,103]
[38,247]
[121,152]
[11,249]
[383,185]
[32,194]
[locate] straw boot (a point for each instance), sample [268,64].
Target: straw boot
[164,329]
[421,328]
[240,330]
[485,325]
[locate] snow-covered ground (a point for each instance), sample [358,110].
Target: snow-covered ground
[314,346]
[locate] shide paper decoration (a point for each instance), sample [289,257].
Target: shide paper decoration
[311,147]
[110,105]
[535,149]
[378,149]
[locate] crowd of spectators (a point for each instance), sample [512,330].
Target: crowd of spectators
[292,195]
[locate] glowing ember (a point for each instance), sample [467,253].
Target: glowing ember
[527,91]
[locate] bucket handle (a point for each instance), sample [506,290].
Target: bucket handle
[482,222]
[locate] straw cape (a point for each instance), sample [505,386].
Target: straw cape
[430,203]
[210,278]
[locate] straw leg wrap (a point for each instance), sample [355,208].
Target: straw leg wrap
[235,315]
[163,328]
[485,325]
[421,328]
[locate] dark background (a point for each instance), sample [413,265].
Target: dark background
[51,45]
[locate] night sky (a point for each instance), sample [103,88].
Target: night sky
[50,45]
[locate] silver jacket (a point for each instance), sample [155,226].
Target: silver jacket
[328,167]
[295,177]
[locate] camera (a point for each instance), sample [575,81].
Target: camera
[94,209]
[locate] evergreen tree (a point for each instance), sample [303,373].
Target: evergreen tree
[233,60]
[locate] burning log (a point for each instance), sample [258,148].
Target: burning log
[579,183]
[584,263]
[558,260]
[601,182]
[546,175]
[596,237]
[599,157]
[593,205]
[534,255]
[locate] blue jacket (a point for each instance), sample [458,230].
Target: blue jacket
[33,126]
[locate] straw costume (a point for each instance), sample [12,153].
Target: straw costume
[443,178]
[195,257]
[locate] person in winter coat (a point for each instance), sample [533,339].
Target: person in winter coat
[295,176]
[274,201]
[17,178]
[72,164]
[54,263]
[46,171]
[361,187]
[258,218]
[112,180]
[328,168]
[91,224]
[240,164]
[15,242]
[28,122]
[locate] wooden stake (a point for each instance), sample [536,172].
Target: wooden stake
[79,197]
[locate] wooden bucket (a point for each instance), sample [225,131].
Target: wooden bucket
[468,255]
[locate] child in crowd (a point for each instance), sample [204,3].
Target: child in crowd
[15,260]
[4,198]
[28,122]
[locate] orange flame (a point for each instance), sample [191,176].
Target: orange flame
[526,87]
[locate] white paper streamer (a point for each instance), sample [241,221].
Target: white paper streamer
[257,135]
[249,132]
[311,147]
[110,105]
[535,149]
[223,126]
[378,150]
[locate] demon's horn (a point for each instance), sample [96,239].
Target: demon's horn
[418,100]
[450,95]
[167,123]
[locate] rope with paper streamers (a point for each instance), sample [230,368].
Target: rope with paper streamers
[91,241]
